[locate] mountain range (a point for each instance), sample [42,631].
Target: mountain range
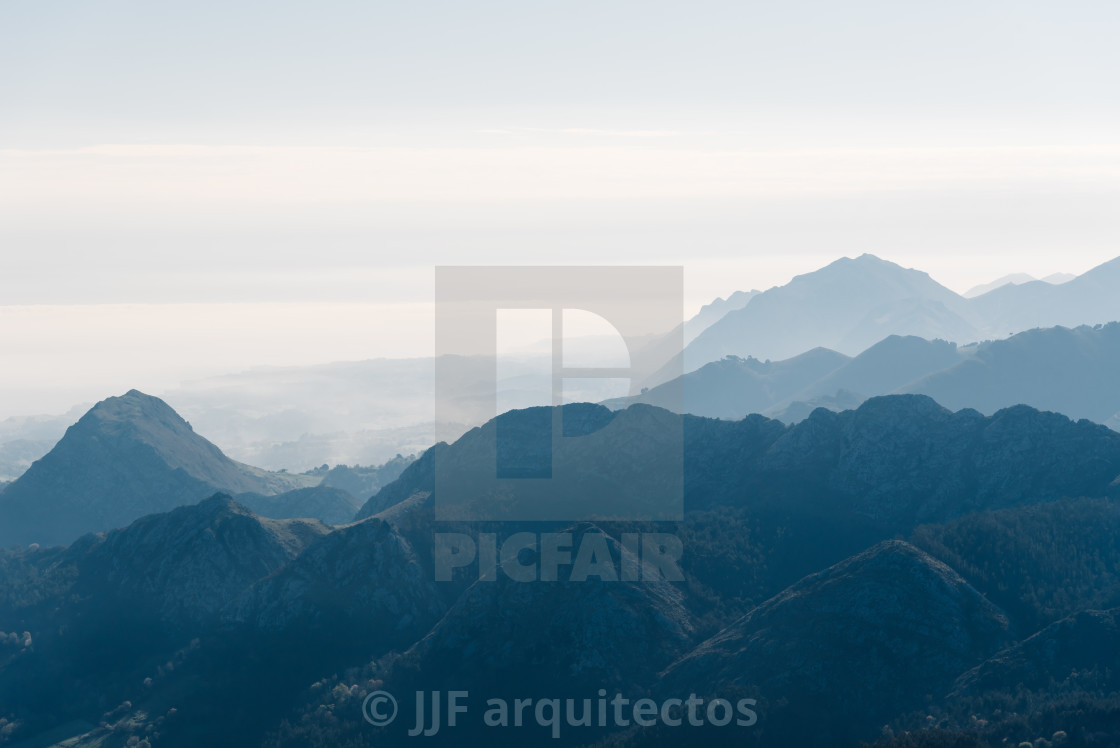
[851,304]
[1016,279]
[930,559]
[799,590]
[365,412]
[1070,371]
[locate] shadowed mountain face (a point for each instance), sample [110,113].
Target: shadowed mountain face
[115,609]
[181,567]
[1039,562]
[1084,642]
[896,461]
[851,645]
[365,580]
[577,636]
[127,457]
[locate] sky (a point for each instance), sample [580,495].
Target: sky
[203,187]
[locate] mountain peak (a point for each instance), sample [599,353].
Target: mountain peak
[847,306]
[128,456]
[137,410]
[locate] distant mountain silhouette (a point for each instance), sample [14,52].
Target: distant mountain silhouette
[1074,372]
[127,457]
[851,304]
[1012,279]
[1088,299]
[846,306]
[333,506]
[1070,371]
[734,387]
[711,313]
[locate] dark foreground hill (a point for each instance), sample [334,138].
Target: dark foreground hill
[207,624]
[853,645]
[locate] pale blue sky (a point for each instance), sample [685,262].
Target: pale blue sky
[333,152]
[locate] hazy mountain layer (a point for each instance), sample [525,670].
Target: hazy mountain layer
[852,303]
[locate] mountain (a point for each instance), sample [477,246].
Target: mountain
[846,306]
[852,645]
[506,639]
[1017,279]
[646,483]
[127,457]
[362,585]
[333,506]
[208,623]
[734,387]
[1088,299]
[851,304]
[119,611]
[798,410]
[1039,562]
[27,438]
[362,481]
[583,635]
[886,366]
[182,566]
[1071,371]
[1082,642]
[711,313]
[896,460]
[1012,279]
